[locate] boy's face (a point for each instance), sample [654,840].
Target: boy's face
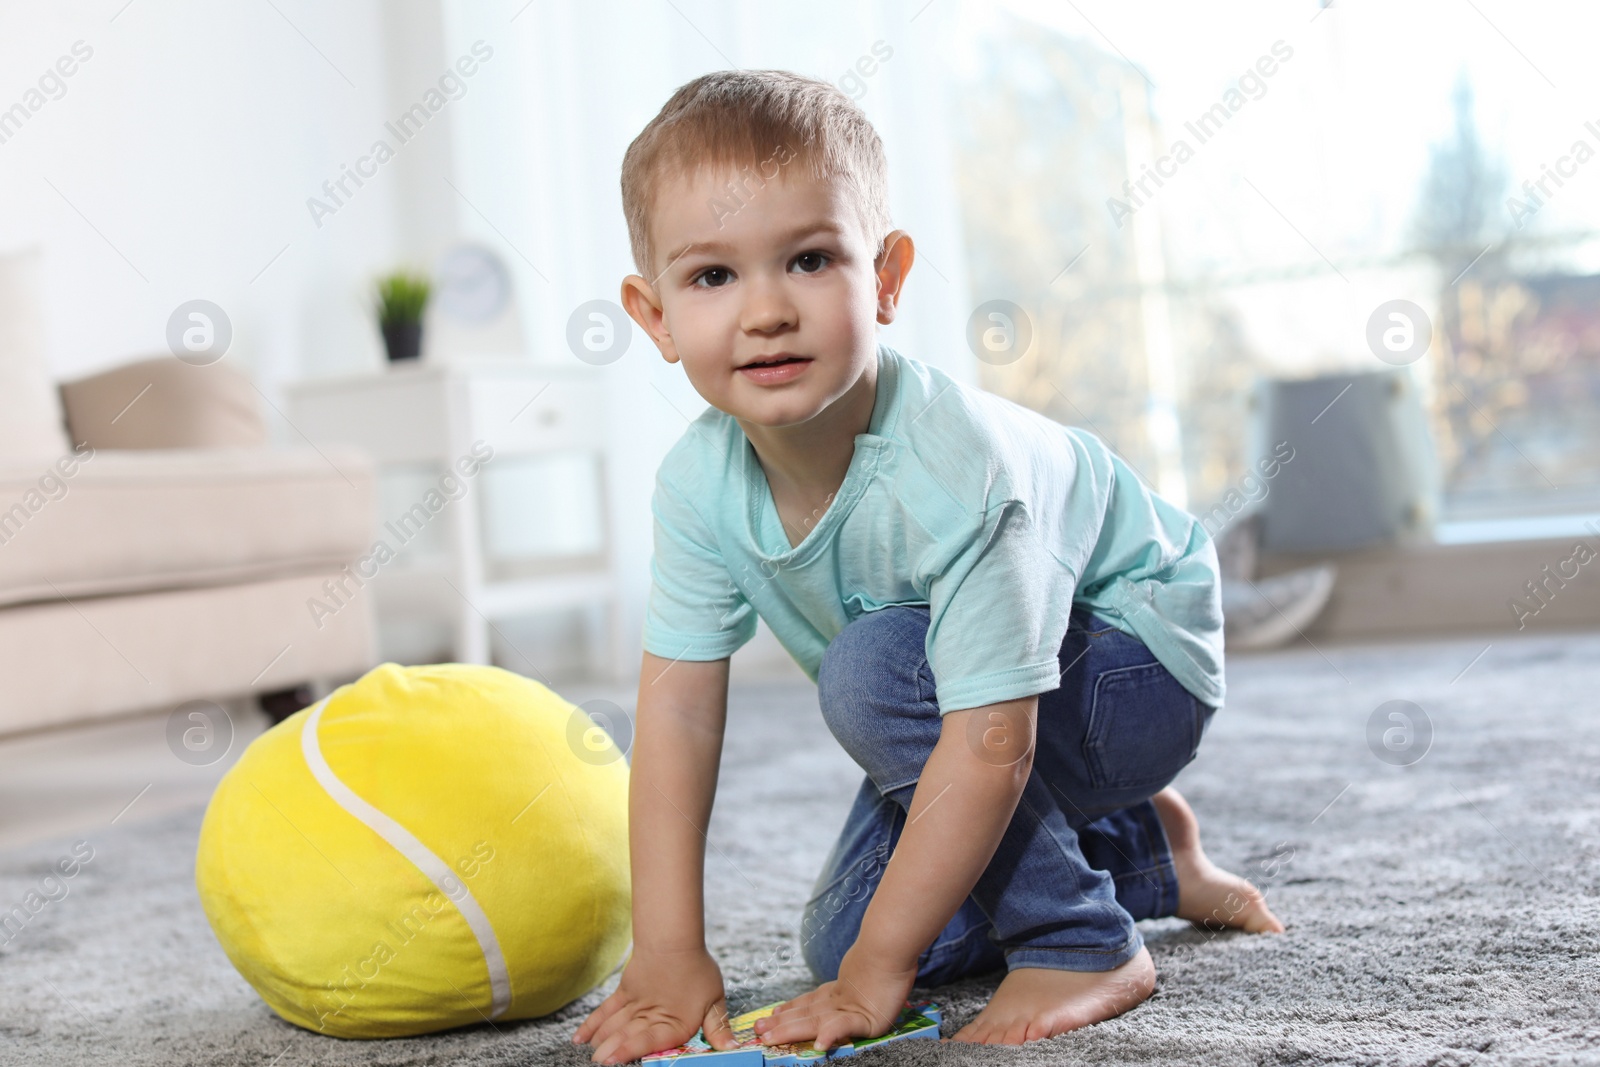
[788,274]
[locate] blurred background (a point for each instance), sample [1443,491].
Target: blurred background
[1193,226]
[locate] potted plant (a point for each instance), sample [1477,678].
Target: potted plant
[402,297]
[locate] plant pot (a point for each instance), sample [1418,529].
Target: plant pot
[402,340]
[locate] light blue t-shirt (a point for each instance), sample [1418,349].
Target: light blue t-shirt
[994,516]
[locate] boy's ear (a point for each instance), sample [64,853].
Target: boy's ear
[643,306]
[893,264]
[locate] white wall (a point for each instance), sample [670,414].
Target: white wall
[184,150]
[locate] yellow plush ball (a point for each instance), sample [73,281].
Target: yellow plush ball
[428,847]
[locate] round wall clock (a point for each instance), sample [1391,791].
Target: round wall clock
[472,283]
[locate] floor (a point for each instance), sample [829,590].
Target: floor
[1441,891]
[54,783]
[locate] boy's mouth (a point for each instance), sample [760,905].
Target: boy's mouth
[773,360]
[774,369]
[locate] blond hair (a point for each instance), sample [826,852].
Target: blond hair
[754,118]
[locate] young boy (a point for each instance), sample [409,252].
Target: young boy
[1017,640]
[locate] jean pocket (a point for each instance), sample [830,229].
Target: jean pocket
[1143,728]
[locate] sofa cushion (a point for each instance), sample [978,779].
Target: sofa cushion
[65,663]
[162,402]
[30,408]
[102,522]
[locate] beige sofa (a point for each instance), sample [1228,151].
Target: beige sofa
[153,548]
[172,556]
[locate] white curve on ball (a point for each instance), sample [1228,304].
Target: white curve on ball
[408,846]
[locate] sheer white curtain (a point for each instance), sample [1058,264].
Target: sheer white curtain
[537,162]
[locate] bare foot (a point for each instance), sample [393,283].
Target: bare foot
[1208,896]
[1038,1002]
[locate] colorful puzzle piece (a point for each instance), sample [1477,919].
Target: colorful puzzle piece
[917,1019]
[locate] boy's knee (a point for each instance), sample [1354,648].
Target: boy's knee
[850,650]
[873,659]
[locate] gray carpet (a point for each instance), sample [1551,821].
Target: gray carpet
[1441,913]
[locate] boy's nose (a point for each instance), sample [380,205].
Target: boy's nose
[767,309]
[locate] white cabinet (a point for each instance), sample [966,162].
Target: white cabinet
[428,427]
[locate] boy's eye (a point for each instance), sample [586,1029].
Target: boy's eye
[711,278]
[811,262]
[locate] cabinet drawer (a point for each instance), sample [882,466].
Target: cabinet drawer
[529,416]
[395,421]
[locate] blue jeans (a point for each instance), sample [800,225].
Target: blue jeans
[1084,855]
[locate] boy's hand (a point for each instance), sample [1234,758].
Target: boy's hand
[864,1001]
[663,998]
